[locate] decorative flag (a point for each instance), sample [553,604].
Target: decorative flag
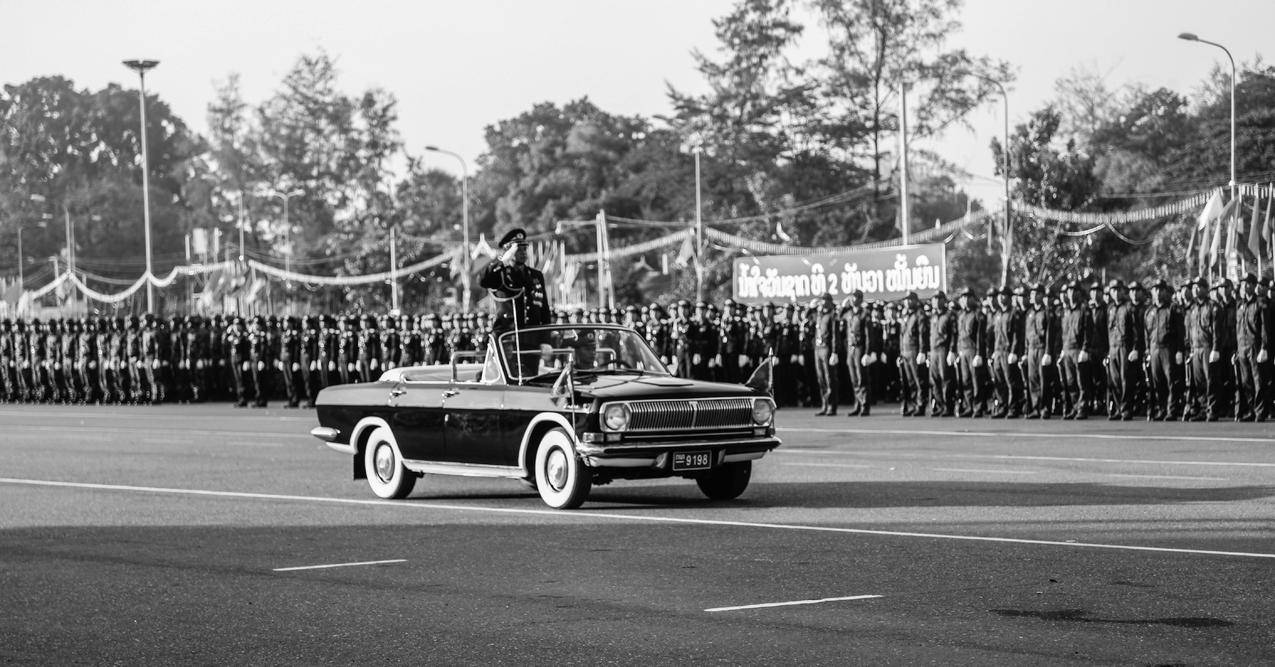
[779,232]
[1255,228]
[686,254]
[1228,213]
[1211,210]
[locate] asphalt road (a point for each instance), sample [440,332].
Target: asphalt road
[172,535]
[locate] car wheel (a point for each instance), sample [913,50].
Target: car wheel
[384,466]
[727,481]
[561,477]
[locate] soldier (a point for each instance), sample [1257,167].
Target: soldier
[1124,352]
[1227,369]
[655,330]
[1164,352]
[704,341]
[195,356]
[971,348]
[862,347]
[328,342]
[23,361]
[218,386]
[8,365]
[239,352]
[518,288]
[914,350]
[86,360]
[680,331]
[287,359]
[436,341]
[1252,329]
[260,361]
[411,345]
[733,343]
[1097,336]
[311,337]
[389,342]
[347,350]
[1008,329]
[1138,371]
[826,334]
[1202,327]
[116,358]
[942,356]
[55,361]
[1039,339]
[1073,362]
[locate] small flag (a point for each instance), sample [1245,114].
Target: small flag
[1211,210]
[1255,227]
[779,232]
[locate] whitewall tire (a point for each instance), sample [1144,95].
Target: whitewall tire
[561,477]
[383,465]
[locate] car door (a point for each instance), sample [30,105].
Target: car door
[416,411]
[472,423]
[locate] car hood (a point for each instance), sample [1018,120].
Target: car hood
[634,386]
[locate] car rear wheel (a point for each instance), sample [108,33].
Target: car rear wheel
[384,466]
[727,481]
[561,477]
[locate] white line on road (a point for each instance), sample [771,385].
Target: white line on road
[987,471]
[793,603]
[638,518]
[1206,479]
[1024,457]
[324,567]
[1031,434]
[827,465]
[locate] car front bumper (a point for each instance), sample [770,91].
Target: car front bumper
[655,455]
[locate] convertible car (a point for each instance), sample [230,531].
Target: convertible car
[561,407]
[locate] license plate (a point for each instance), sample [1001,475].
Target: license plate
[692,461]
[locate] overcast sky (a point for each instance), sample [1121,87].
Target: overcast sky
[459,66]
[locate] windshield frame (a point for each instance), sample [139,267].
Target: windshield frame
[658,367]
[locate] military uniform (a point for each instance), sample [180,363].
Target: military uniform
[827,330]
[862,347]
[914,350]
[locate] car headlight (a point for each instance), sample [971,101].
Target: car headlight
[763,411]
[615,417]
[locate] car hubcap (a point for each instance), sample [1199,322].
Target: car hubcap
[384,462]
[556,467]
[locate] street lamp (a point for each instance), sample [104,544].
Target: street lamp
[1009,232]
[1192,37]
[287,228]
[464,214]
[141,67]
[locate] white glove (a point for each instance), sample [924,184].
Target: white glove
[92,364]
[833,359]
[351,368]
[261,365]
[1133,356]
[508,255]
[246,367]
[314,366]
[743,360]
[389,366]
[1082,357]
[155,364]
[295,367]
[801,360]
[1106,361]
[1262,356]
[1177,358]
[1235,358]
[665,360]
[374,365]
[1046,360]
[899,362]
[672,364]
[697,359]
[1012,358]
[794,359]
[278,365]
[921,360]
[977,361]
[865,360]
[1214,356]
[951,358]
[717,360]
[331,365]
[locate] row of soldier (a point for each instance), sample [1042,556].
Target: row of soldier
[1200,352]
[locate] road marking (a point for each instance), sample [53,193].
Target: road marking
[1031,434]
[1025,457]
[76,428]
[133,412]
[1207,479]
[827,465]
[331,565]
[984,470]
[793,603]
[637,518]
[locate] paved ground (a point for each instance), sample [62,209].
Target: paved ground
[147,535]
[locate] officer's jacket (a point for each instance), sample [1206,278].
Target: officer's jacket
[521,293]
[369,344]
[971,332]
[198,344]
[86,347]
[1251,325]
[1037,328]
[435,347]
[6,345]
[1076,325]
[1008,326]
[1202,318]
[914,334]
[787,339]
[825,330]
[1163,328]
[237,345]
[858,324]
[942,330]
[734,335]
[1098,332]
[410,351]
[1226,331]
[705,340]
[391,345]
[1122,327]
[259,346]
[289,347]
[656,334]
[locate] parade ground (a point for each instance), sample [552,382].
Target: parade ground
[204,534]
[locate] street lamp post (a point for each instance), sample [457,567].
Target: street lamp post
[1192,37]
[464,215]
[141,67]
[699,228]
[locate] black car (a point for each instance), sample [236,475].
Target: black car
[561,407]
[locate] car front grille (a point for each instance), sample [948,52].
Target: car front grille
[690,414]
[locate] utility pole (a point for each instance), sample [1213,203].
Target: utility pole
[141,67]
[393,269]
[904,214]
[699,229]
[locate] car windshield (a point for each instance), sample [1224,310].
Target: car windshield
[545,352]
